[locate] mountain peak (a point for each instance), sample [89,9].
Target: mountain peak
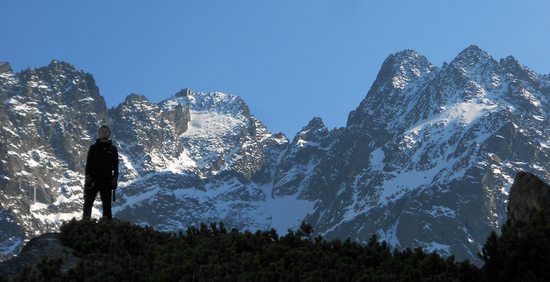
[315,123]
[473,49]
[5,67]
[315,130]
[407,53]
[402,67]
[60,66]
[512,66]
[184,92]
[398,71]
[406,58]
[471,57]
[134,98]
[213,101]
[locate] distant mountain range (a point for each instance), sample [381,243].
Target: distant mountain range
[427,158]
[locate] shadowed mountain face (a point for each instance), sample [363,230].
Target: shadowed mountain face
[427,159]
[528,196]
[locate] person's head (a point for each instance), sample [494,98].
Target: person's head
[104,132]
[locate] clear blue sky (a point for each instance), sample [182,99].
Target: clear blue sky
[290,60]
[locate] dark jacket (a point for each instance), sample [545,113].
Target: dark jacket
[102,162]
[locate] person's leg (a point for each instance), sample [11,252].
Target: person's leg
[105,193]
[89,197]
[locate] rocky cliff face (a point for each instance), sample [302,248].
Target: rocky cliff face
[427,159]
[528,196]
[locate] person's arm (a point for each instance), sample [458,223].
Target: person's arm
[115,168]
[88,169]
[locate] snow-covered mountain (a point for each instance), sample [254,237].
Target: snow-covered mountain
[427,158]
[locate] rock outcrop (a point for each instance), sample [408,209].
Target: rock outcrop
[46,246]
[528,196]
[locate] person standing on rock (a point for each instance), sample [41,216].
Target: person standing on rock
[101,173]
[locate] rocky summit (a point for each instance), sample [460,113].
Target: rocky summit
[427,159]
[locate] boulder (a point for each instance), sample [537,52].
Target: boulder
[35,251]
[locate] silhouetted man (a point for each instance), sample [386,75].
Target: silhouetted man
[101,173]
